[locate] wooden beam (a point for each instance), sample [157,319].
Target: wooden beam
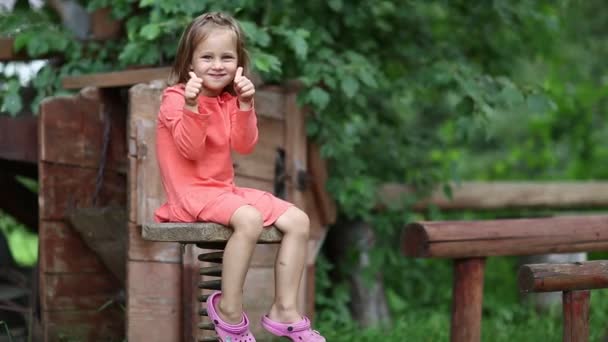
[467,300]
[19,138]
[576,315]
[116,78]
[465,239]
[7,52]
[563,277]
[505,195]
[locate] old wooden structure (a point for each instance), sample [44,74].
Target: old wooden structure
[574,280]
[468,243]
[99,184]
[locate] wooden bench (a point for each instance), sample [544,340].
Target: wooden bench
[208,236]
[574,280]
[470,242]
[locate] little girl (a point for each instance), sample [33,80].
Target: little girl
[207,112]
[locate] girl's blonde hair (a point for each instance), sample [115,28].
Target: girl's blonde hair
[197,31]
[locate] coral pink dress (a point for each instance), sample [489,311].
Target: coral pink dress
[193,151]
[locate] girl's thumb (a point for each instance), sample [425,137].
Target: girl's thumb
[239,73]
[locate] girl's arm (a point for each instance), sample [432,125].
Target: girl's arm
[188,128]
[243,130]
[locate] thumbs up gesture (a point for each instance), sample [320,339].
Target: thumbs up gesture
[244,89]
[193,89]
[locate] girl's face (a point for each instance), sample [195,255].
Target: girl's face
[215,61]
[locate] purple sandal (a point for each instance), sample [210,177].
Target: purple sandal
[298,331]
[227,332]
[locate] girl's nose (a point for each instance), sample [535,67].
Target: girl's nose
[217,64]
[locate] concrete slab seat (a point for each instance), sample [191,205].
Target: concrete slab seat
[200,233]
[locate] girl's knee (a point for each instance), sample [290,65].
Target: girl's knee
[297,222]
[247,220]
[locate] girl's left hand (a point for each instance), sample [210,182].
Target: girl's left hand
[244,89]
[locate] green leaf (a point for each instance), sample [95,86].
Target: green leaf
[538,104]
[349,85]
[336,5]
[266,63]
[319,97]
[150,31]
[298,43]
[11,101]
[145,3]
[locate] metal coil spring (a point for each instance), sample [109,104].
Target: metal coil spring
[214,257]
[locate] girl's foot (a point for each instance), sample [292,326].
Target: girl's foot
[299,331]
[227,332]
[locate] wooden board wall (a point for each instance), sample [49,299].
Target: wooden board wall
[74,283]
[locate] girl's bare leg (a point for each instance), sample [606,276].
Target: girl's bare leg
[289,265]
[247,224]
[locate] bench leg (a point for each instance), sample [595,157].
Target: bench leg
[576,315]
[467,298]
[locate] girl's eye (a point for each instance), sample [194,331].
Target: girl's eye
[206,57]
[228,58]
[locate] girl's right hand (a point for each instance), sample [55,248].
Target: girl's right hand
[193,89]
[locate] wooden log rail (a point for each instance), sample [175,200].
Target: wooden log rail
[470,242]
[574,280]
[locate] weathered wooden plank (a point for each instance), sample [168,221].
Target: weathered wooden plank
[81,120]
[154,311]
[467,300]
[254,183]
[319,175]
[270,102]
[200,232]
[104,26]
[142,250]
[586,275]
[63,251]
[190,292]
[84,325]
[116,78]
[150,192]
[460,239]
[132,186]
[261,163]
[504,195]
[19,138]
[63,187]
[317,228]
[295,149]
[576,315]
[67,291]
[104,231]
[264,255]
[7,51]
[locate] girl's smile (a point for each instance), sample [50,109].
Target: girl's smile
[215,61]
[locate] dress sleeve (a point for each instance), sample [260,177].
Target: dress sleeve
[243,130]
[188,129]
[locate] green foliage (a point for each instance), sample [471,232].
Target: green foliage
[22,243]
[415,92]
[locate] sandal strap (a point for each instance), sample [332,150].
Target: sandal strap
[301,325]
